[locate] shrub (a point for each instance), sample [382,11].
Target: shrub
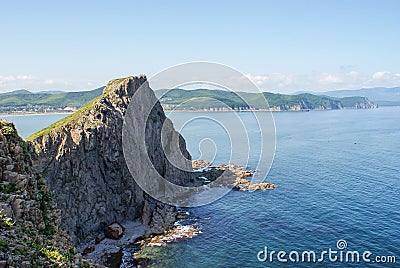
[3,246]
[6,130]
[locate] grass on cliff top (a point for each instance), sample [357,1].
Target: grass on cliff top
[112,85]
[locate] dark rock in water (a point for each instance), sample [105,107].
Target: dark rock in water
[182,216]
[142,262]
[113,260]
[254,186]
[114,230]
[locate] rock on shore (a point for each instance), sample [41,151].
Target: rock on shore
[236,176]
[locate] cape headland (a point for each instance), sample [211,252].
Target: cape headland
[69,182]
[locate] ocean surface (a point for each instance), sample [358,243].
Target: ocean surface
[337,177]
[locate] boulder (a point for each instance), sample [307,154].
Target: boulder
[114,231]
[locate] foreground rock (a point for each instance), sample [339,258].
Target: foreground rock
[30,234]
[83,162]
[177,232]
[114,230]
[111,252]
[248,186]
[183,229]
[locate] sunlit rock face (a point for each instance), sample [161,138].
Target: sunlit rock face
[83,162]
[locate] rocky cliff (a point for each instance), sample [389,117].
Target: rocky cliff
[304,104]
[29,221]
[81,157]
[220,100]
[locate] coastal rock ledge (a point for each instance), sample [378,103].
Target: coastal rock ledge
[81,159]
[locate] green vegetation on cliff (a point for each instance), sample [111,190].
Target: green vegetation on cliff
[30,235]
[86,107]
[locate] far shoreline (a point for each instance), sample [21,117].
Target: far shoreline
[31,114]
[205,111]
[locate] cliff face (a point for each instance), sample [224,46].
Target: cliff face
[364,103]
[220,100]
[82,160]
[304,104]
[29,221]
[328,104]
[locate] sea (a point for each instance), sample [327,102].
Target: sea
[337,178]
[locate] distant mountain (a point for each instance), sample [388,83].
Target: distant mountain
[379,95]
[24,91]
[205,99]
[25,101]
[16,92]
[51,91]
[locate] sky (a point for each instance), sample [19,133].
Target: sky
[283,46]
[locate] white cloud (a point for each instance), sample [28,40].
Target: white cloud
[257,79]
[320,82]
[273,82]
[277,80]
[381,75]
[353,74]
[26,81]
[48,82]
[330,79]
[11,78]
[25,77]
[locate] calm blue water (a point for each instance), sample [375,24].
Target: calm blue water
[27,125]
[337,175]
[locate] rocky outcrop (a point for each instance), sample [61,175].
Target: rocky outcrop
[200,164]
[327,103]
[304,104]
[234,176]
[83,163]
[29,220]
[365,104]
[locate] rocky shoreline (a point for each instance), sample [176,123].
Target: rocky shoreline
[131,248]
[127,250]
[121,245]
[183,229]
[238,178]
[68,186]
[108,251]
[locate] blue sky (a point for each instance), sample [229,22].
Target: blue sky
[283,46]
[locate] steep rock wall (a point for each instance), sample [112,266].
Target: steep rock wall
[29,220]
[82,159]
